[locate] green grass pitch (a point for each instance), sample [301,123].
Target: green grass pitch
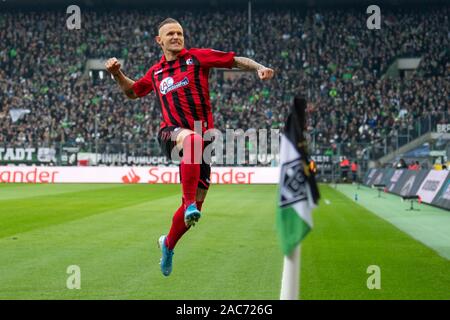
[110,232]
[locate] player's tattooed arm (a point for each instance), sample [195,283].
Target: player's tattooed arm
[244,63]
[125,83]
[130,94]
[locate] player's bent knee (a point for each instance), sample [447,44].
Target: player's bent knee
[181,137]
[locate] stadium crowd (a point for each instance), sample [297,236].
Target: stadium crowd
[328,55]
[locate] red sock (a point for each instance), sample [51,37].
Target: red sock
[190,166]
[199,205]
[177,229]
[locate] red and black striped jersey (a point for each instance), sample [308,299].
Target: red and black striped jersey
[182,86]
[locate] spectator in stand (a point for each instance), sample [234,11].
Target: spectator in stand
[414,166]
[345,166]
[402,164]
[354,169]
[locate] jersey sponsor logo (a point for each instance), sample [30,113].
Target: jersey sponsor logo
[167,84]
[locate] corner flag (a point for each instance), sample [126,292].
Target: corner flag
[298,195]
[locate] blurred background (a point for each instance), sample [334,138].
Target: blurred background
[375,96]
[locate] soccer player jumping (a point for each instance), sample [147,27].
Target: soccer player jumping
[180,80]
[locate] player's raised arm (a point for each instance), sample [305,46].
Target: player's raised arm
[125,83]
[243,63]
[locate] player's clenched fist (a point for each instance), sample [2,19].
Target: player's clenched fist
[265,73]
[113,66]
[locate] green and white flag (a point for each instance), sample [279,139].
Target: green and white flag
[298,193]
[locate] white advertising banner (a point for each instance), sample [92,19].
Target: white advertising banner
[432,184]
[220,175]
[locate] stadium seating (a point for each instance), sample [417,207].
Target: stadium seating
[329,55]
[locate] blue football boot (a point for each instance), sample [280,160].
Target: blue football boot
[191,215]
[166,259]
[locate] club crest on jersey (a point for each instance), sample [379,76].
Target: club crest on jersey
[189,61]
[167,85]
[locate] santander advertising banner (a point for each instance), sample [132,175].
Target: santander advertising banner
[130,175]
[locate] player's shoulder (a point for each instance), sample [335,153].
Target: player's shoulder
[198,50]
[152,68]
[203,50]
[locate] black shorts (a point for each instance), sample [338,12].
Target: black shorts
[168,144]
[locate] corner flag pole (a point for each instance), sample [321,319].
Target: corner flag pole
[298,195]
[290,283]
